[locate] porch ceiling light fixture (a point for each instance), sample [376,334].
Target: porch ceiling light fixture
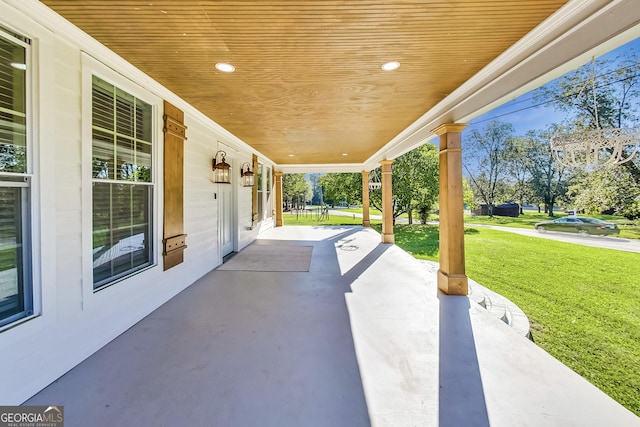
[374,181]
[246,175]
[390,66]
[225,67]
[221,168]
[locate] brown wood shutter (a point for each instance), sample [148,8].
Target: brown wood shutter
[254,200]
[174,136]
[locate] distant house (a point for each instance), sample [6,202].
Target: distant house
[505,209]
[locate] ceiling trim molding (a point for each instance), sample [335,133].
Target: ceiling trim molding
[577,30]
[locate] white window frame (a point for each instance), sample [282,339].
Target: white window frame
[260,177]
[268,191]
[119,287]
[31,230]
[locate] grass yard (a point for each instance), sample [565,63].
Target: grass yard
[583,302]
[628,229]
[372,211]
[312,219]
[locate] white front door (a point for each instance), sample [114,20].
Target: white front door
[226,218]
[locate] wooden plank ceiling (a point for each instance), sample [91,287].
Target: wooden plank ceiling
[308,85]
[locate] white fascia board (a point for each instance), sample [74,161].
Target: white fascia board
[64,29]
[578,30]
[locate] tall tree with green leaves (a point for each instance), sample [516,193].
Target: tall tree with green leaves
[601,94]
[467,195]
[516,155]
[295,189]
[415,183]
[549,181]
[608,190]
[342,186]
[485,161]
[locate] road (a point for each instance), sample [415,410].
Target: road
[607,242]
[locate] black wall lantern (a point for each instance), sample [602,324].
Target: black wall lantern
[246,175]
[221,169]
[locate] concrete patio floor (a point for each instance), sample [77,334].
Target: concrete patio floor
[363,338]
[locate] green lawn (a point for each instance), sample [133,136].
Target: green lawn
[628,229]
[372,211]
[312,219]
[583,302]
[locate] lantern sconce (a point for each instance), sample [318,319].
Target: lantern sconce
[221,169]
[246,175]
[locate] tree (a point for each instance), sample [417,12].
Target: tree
[549,181]
[295,189]
[608,190]
[485,161]
[517,157]
[467,194]
[342,186]
[602,94]
[607,99]
[415,183]
[13,158]
[318,196]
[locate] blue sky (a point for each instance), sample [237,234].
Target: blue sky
[523,116]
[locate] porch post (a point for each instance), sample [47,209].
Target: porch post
[278,189]
[452,279]
[387,202]
[365,199]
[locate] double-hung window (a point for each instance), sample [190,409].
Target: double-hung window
[260,193]
[268,209]
[16,286]
[122,193]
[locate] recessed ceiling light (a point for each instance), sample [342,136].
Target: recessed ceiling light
[390,66]
[291,155]
[344,154]
[19,65]
[225,67]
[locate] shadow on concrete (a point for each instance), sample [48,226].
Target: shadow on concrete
[354,272]
[462,402]
[236,348]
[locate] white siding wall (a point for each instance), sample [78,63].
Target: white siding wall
[75,322]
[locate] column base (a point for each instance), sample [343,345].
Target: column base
[453,284]
[388,238]
[366,223]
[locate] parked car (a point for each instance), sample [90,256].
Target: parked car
[579,224]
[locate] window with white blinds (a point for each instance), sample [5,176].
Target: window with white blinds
[122,150]
[16,288]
